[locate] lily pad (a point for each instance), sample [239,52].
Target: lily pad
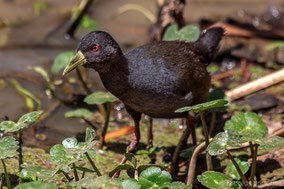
[249,125]
[204,106]
[36,185]
[80,113]
[232,171]
[222,141]
[271,142]
[8,147]
[153,177]
[61,61]
[100,98]
[189,33]
[214,180]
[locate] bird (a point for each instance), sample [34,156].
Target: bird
[154,79]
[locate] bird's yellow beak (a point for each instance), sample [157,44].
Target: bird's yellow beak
[78,60]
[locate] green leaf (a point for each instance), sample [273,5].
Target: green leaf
[88,23]
[189,33]
[80,113]
[90,135]
[59,157]
[249,125]
[274,45]
[8,147]
[122,167]
[214,180]
[70,143]
[96,182]
[61,61]
[130,157]
[100,98]
[204,106]
[271,142]
[154,177]
[30,118]
[45,75]
[237,185]
[143,152]
[178,185]
[84,169]
[130,183]
[222,141]
[232,171]
[37,185]
[35,172]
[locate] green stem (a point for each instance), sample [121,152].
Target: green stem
[251,149]
[79,74]
[105,126]
[91,124]
[252,173]
[83,175]
[6,175]
[208,157]
[67,176]
[212,123]
[93,164]
[20,157]
[244,179]
[75,172]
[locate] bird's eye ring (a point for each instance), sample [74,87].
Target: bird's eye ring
[95,48]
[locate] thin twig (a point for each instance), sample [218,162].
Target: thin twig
[91,124]
[79,74]
[75,172]
[105,125]
[20,157]
[252,173]
[67,176]
[212,123]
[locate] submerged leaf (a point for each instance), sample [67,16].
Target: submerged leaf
[8,147]
[204,106]
[80,113]
[249,125]
[232,171]
[214,180]
[61,61]
[100,98]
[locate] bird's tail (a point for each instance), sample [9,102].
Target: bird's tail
[208,43]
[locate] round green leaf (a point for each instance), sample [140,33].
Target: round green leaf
[271,142]
[8,147]
[189,33]
[154,177]
[61,61]
[214,180]
[232,171]
[171,33]
[90,135]
[130,183]
[37,185]
[204,106]
[58,155]
[70,143]
[249,125]
[100,98]
[31,117]
[80,113]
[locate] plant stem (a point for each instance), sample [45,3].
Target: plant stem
[83,175]
[251,149]
[91,124]
[212,123]
[192,164]
[105,126]
[150,133]
[20,157]
[75,172]
[252,173]
[244,179]
[67,176]
[6,174]
[79,74]
[93,165]
[136,175]
[208,157]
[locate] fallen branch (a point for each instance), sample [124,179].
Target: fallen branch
[256,85]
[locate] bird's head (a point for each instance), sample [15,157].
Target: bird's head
[96,50]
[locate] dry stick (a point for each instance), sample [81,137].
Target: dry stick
[252,173]
[208,157]
[244,179]
[85,4]
[256,85]
[193,160]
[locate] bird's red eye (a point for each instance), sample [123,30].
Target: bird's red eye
[95,48]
